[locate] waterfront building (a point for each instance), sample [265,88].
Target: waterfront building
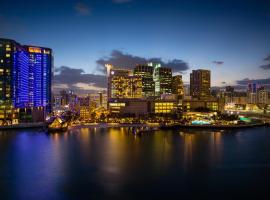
[163,79]
[164,107]
[148,84]
[177,86]
[200,83]
[123,85]
[211,104]
[25,85]
[39,75]
[141,107]
[130,107]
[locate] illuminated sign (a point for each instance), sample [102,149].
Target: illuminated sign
[34,50]
[46,51]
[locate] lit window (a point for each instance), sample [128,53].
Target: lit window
[2,61]
[7,55]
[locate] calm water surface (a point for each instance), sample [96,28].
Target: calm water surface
[97,163]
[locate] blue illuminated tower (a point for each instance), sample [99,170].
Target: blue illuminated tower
[40,67]
[25,81]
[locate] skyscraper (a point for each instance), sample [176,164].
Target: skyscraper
[163,79]
[148,84]
[123,85]
[40,66]
[252,93]
[200,83]
[177,86]
[25,78]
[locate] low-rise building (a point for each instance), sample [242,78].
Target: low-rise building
[211,104]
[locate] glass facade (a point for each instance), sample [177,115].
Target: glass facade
[122,85]
[148,84]
[25,80]
[163,80]
[40,64]
[200,83]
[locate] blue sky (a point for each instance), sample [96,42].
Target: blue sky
[197,32]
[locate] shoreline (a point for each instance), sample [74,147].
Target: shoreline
[171,126]
[192,126]
[118,125]
[24,126]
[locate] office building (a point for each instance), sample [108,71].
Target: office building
[123,85]
[177,86]
[148,84]
[263,96]
[200,83]
[229,94]
[163,79]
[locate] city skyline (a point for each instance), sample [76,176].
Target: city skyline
[230,39]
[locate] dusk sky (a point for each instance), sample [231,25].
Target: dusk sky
[231,38]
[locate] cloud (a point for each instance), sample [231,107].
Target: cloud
[265,67]
[245,81]
[218,62]
[121,1]
[77,80]
[82,9]
[127,61]
[267,58]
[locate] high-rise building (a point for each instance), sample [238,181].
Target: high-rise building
[229,94]
[252,88]
[148,84]
[25,82]
[252,93]
[123,85]
[177,86]
[40,70]
[200,83]
[252,98]
[163,79]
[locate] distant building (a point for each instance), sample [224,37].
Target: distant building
[163,79]
[86,106]
[186,91]
[229,94]
[251,98]
[252,88]
[100,98]
[148,84]
[263,96]
[200,83]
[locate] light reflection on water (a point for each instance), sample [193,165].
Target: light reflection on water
[102,163]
